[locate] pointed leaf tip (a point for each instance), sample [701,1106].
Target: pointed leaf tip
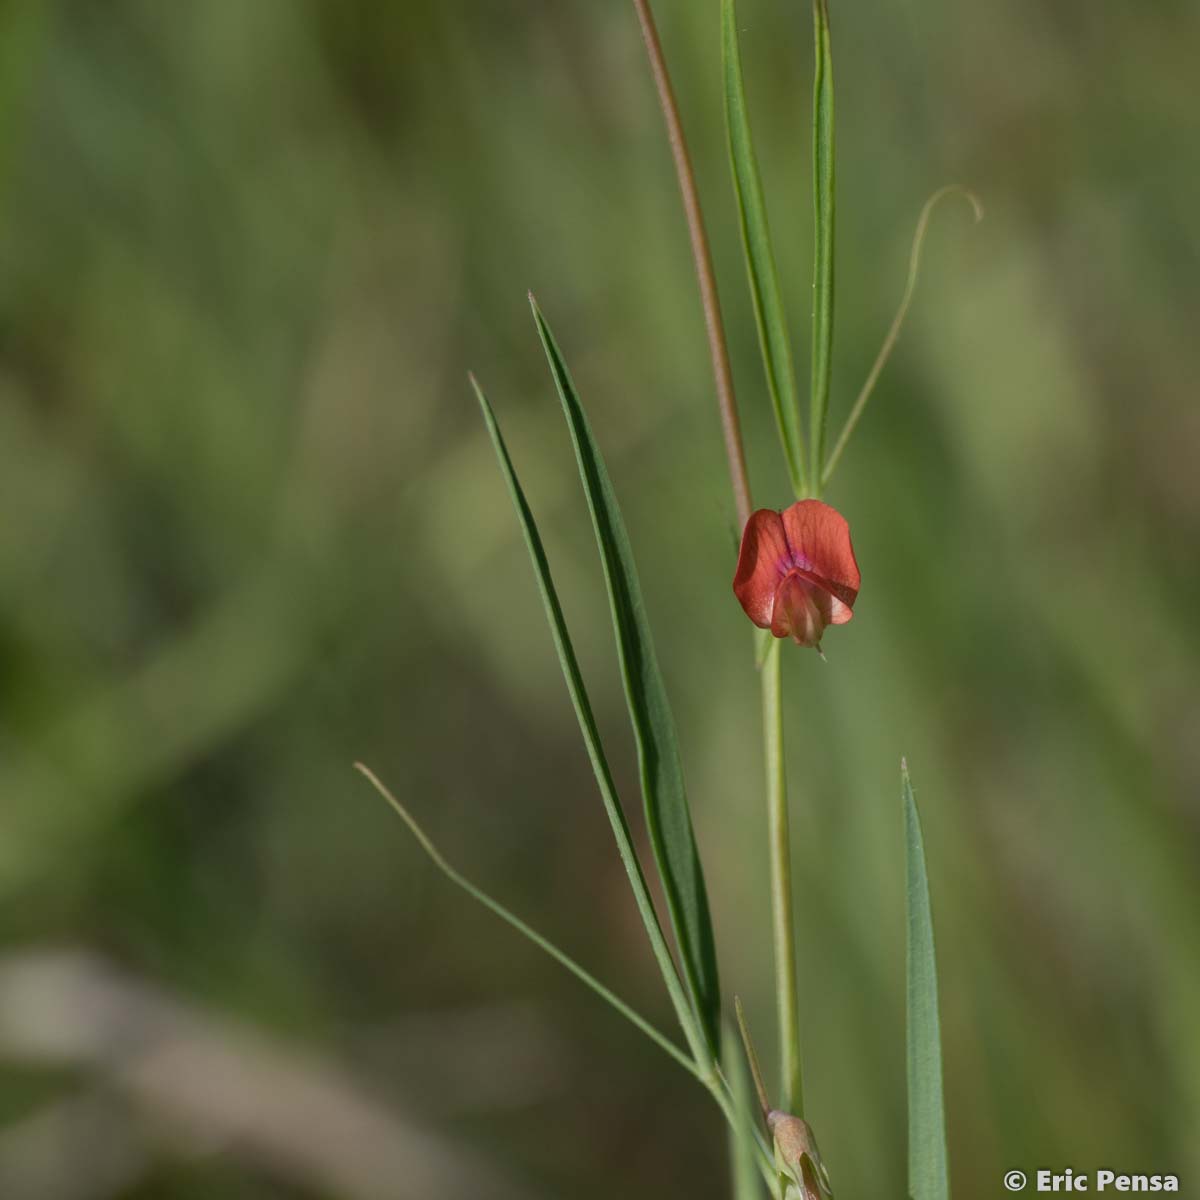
[587,727]
[770,319]
[928,1168]
[824,219]
[668,817]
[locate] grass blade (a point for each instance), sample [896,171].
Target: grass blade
[893,333]
[760,258]
[824,211]
[928,1171]
[668,819]
[538,940]
[591,736]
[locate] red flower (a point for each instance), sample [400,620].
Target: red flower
[796,572]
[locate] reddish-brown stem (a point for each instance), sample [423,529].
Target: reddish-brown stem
[722,376]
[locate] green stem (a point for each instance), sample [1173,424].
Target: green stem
[787,1005]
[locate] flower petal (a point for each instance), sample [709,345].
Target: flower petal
[836,611]
[762,563]
[819,540]
[802,610]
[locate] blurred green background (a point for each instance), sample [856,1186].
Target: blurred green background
[252,530]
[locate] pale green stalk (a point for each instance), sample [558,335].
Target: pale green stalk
[714,326]
[783,924]
[787,1005]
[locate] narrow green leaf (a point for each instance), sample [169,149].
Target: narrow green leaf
[591,735]
[928,1172]
[668,819]
[538,940]
[773,336]
[824,210]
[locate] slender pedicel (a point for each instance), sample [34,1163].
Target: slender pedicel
[713,325]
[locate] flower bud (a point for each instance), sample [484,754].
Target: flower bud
[797,1158]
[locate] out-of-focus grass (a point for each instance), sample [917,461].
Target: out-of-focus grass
[252,531]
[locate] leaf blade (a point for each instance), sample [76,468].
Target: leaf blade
[928,1167]
[506,915]
[587,724]
[668,818]
[824,214]
[770,319]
